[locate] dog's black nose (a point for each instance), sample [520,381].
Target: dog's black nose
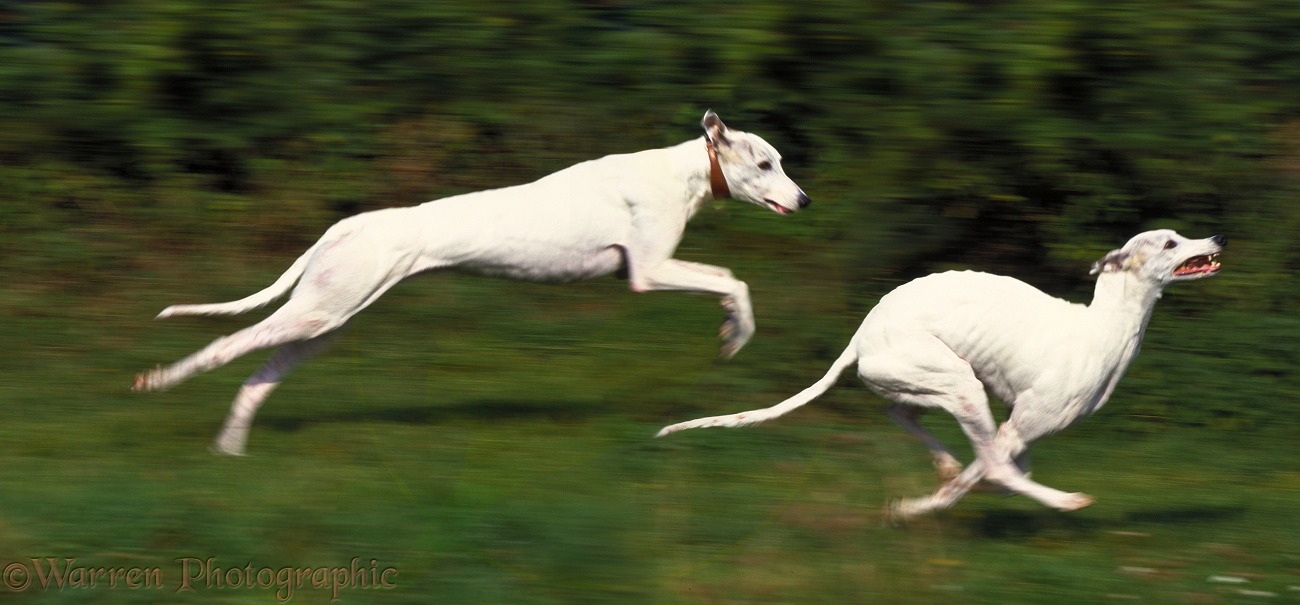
[803,200]
[1220,239]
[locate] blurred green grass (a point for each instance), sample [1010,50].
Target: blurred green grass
[492,442]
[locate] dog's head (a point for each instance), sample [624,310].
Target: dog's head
[752,168]
[1164,256]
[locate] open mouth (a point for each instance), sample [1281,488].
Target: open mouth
[777,208]
[1199,266]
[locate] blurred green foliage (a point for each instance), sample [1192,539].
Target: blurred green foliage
[1018,137]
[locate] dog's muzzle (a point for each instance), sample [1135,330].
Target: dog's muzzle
[1205,264]
[802,202]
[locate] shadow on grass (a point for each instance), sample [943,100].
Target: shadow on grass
[1187,514]
[1017,525]
[431,415]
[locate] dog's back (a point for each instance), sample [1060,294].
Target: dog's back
[1010,332]
[960,305]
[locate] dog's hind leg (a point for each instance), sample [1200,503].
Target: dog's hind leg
[234,433]
[297,320]
[946,464]
[907,416]
[969,405]
[919,369]
[995,463]
[915,369]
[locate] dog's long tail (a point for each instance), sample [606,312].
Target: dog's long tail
[243,305]
[846,359]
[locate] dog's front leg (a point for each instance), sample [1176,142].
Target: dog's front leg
[673,274]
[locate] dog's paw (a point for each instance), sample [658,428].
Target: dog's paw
[946,467]
[736,330]
[228,445]
[144,381]
[898,512]
[733,339]
[1074,501]
[728,328]
[217,450]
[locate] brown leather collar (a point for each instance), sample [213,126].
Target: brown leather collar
[717,181]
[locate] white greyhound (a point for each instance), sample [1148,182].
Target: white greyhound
[940,340]
[594,218]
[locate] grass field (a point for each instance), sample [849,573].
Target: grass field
[486,447]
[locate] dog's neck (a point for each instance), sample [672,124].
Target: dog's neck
[1126,298]
[717,180]
[698,169]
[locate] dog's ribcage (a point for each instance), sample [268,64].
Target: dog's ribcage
[1014,336]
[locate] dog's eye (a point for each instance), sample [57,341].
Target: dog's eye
[1170,244]
[764,165]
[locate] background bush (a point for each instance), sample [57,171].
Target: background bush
[146,138]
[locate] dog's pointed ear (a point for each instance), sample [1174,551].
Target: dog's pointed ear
[1113,261]
[714,130]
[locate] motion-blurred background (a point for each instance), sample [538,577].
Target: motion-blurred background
[490,440]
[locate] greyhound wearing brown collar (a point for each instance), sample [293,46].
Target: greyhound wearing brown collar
[619,212]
